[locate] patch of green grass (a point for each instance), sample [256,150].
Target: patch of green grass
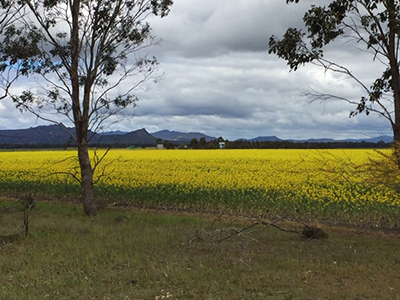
[148,255]
[251,201]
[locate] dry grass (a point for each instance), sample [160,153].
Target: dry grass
[150,255]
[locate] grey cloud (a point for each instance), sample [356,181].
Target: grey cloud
[197,28]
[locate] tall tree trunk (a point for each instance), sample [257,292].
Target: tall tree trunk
[87,196]
[394,67]
[396,143]
[81,119]
[396,125]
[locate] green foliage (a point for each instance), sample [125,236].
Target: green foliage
[323,25]
[375,25]
[109,33]
[293,49]
[161,7]
[20,50]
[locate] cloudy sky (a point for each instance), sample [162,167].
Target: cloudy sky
[220,80]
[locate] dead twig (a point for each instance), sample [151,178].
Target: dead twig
[28,204]
[307,231]
[260,222]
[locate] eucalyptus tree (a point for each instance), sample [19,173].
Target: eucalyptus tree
[18,54]
[5,20]
[373,26]
[88,48]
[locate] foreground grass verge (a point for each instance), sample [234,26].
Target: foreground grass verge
[147,255]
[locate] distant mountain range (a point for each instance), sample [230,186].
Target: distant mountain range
[383,138]
[181,137]
[57,135]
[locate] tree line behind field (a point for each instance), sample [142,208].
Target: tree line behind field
[243,144]
[214,144]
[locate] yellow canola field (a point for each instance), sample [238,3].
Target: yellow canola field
[317,175]
[226,169]
[305,177]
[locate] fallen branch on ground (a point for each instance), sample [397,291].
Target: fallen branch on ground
[229,231]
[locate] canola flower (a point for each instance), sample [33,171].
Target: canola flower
[314,183]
